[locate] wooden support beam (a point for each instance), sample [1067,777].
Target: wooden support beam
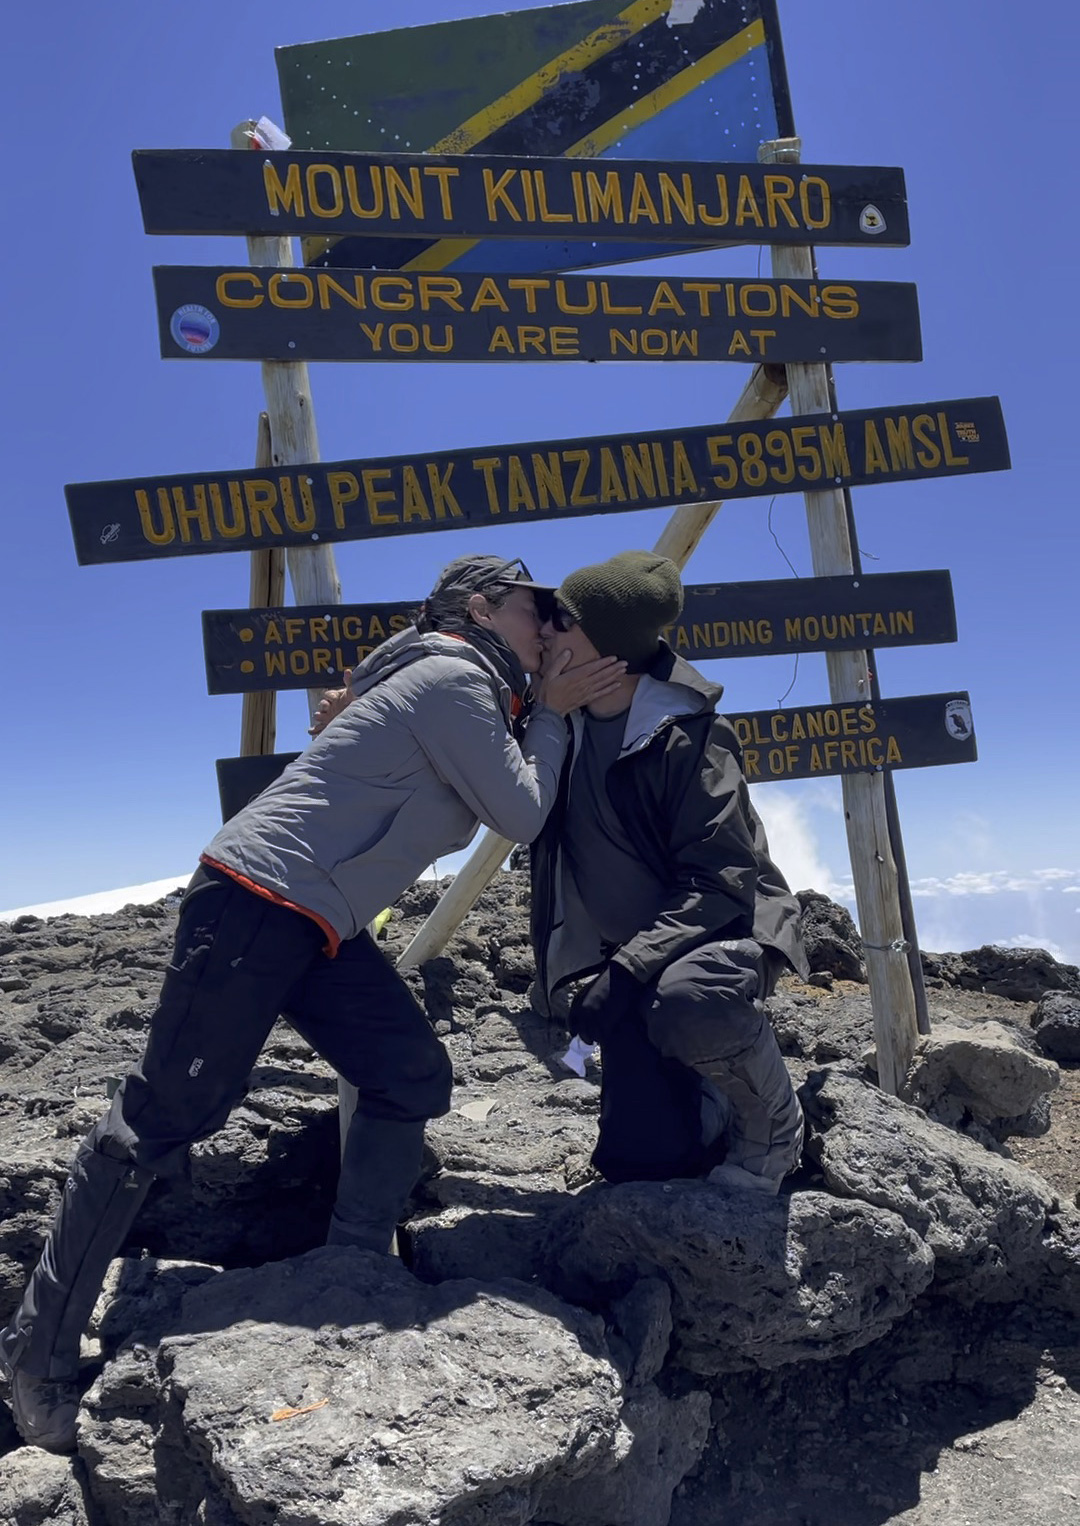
[873,866]
[258,719]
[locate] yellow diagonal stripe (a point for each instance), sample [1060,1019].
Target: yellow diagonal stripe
[675,89]
[612,35]
[439,255]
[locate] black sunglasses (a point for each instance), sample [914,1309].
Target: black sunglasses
[550,610]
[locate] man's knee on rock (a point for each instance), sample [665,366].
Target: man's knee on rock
[695,1029]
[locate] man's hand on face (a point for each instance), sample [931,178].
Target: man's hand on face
[597,1009]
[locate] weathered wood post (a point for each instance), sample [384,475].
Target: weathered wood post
[293,436]
[760,399]
[258,718]
[873,866]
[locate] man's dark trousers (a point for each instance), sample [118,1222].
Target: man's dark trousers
[239,960]
[702,1018]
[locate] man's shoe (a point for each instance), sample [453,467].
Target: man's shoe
[45,1410]
[728,1175]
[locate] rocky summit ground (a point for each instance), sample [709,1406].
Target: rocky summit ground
[895,1340]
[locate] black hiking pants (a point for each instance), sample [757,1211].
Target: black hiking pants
[239,960]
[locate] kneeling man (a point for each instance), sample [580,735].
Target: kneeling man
[653,879]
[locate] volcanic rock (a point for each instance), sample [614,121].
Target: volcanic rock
[1056,1021]
[755,1281]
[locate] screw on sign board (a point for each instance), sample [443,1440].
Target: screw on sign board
[248,509]
[810,742]
[452,196]
[652,79]
[230,313]
[249,650]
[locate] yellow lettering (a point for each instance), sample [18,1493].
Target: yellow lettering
[669,197]
[337,202]
[440,289]
[779,189]
[230,278]
[288,197]
[164,534]
[356,206]
[397,192]
[374,495]
[261,497]
[383,293]
[546,215]
[642,205]
[812,189]
[495,195]
[746,207]
[279,279]
[875,451]
[489,295]
[442,494]
[664,300]
[413,503]
[922,426]
[519,493]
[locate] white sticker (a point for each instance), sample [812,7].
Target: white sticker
[958,719]
[871,220]
[682,12]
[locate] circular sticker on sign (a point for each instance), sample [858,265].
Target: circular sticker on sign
[195,328]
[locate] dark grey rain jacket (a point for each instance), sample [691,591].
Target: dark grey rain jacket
[679,792]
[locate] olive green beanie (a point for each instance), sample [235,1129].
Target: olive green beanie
[623,604]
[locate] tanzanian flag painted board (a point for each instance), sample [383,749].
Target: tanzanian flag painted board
[811,742]
[304,647]
[222,313]
[383,196]
[651,79]
[252,508]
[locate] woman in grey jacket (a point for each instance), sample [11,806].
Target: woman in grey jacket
[433,742]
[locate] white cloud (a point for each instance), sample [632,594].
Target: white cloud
[100,901]
[792,842]
[1032,940]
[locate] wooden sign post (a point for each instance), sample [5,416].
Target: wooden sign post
[873,866]
[293,436]
[258,718]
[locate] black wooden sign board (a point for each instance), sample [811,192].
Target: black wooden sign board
[472,196]
[813,741]
[302,647]
[246,510]
[240,313]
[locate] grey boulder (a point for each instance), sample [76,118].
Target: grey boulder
[755,1281]
[661,1440]
[984,1217]
[337,1390]
[981,1073]
[1056,1021]
[38,1489]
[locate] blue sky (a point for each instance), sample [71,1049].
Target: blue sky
[107,772]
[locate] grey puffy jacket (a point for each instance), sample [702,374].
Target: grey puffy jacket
[402,777]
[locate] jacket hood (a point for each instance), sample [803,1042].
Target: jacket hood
[668,667]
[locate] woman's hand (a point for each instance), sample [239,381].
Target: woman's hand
[332,704]
[563,688]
